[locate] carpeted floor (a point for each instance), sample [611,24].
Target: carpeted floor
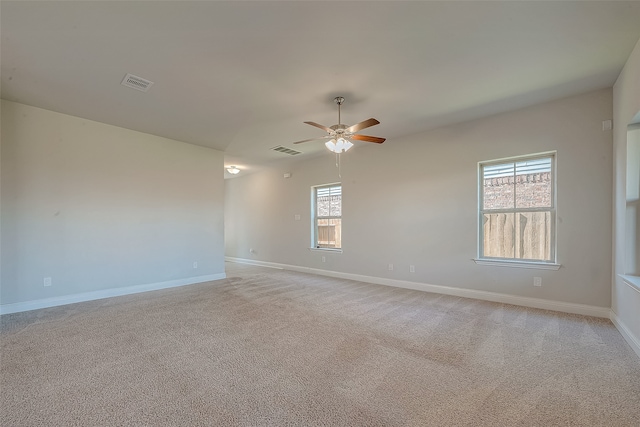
[270,347]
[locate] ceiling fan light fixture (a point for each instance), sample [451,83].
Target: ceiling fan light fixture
[338,146]
[233,170]
[331,145]
[346,144]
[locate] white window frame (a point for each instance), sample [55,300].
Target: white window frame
[314,216]
[518,262]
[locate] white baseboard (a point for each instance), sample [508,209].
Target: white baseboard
[633,342]
[587,310]
[104,293]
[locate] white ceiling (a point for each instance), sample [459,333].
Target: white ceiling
[242,77]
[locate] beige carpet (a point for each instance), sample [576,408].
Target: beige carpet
[276,348]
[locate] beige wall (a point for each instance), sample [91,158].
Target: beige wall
[98,207]
[626,110]
[413,201]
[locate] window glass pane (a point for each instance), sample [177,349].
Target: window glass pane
[499,235]
[498,186]
[324,206]
[533,236]
[329,233]
[533,183]
[329,201]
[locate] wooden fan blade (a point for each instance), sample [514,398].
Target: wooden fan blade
[368,138]
[312,139]
[362,125]
[320,126]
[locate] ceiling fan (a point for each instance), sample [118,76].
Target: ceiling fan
[340,135]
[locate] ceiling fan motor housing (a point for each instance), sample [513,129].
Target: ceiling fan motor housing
[339,131]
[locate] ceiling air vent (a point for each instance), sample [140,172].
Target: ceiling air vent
[286,150]
[136,82]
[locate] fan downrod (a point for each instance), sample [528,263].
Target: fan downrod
[339,100]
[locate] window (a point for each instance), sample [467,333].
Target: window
[517,209]
[327,217]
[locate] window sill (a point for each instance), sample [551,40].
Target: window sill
[326,250]
[518,264]
[633,281]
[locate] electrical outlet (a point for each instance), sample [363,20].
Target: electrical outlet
[390,267]
[297,217]
[324,259]
[47,281]
[412,269]
[537,281]
[252,251]
[195,264]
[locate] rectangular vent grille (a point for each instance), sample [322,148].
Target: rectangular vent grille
[286,150]
[136,82]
